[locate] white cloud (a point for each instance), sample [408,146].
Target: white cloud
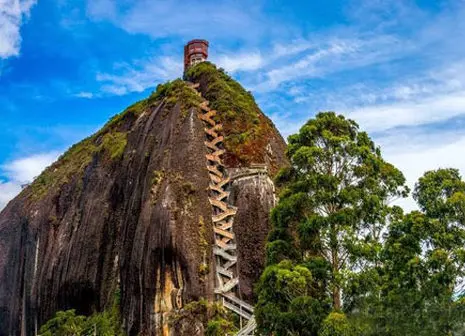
[84,94]
[25,169]
[180,18]
[141,75]
[416,153]
[12,15]
[8,191]
[430,109]
[22,171]
[333,55]
[245,61]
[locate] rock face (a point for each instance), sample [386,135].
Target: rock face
[127,211]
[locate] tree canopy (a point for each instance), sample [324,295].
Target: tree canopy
[341,252]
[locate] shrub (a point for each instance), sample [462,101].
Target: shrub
[336,324]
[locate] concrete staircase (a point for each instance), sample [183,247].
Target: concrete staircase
[227,279]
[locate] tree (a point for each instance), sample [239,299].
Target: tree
[67,323]
[64,323]
[423,262]
[336,196]
[336,324]
[334,205]
[441,196]
[286,302]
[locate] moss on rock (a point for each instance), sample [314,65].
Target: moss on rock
[110,142]
[247,130]
[177,91]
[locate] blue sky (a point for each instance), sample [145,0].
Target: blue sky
[395,66]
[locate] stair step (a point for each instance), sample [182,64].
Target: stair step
[225,214]
[249,329]
[228,286]
[219,204]
[220,252]
[223,233]
[221,184]
[206,118]
[214,169]
[226,245]
[239,302]
[225,225]
[213,158]
[237,310]
[224,272]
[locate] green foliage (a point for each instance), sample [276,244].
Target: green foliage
[203,246]
[333,208]
[335,196]
[286,302]
[336,324]
[245,128]
[158,176]
[110,141]
[424,262]
[211,316]
[135,110]
[114,144]
[67,323]
[73,162]
[188,188]
[219,327]
[177,91]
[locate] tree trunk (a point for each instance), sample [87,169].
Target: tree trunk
[337,298]
[336,286]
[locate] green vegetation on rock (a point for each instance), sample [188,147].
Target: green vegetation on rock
[177,91]
[203,246]
[110,142]
[246,129]
[203,315]
[67,323]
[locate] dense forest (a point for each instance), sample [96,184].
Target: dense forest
[343,260]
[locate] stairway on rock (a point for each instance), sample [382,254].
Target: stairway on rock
[227,278]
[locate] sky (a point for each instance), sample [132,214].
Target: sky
[397,67]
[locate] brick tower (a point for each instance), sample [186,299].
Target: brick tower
[195,51]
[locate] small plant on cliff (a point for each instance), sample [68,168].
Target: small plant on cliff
[203,246]
[158,176]
[212,318]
